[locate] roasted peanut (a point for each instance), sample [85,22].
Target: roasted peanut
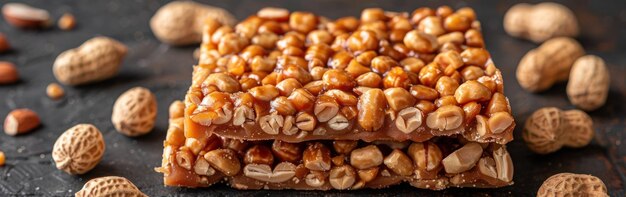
[259,154]
[399,163]
[427,155]
[21,121]
[342,177]
[431,25]
[463,158]
[366,157]
[369,79]
[285,151]
[362,40]
[316,157]
[445,118]
[472,91]
[8,73]
[337,79]
[271,123]
[224,160]
[283,172]
[303,22]
[371,109]
[548,129]
[588,85]
[421,42]
[551,62]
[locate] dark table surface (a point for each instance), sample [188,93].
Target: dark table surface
[166,71]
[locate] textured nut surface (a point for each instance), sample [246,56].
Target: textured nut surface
[271,123]
[371,109]
[366,157]
[285,151]
[134,112]
[569,184]
[588,85]
[79,149]
[224,160]
[427,155]
[20,121]
[181,23]
[540,22]
[316,157]
[342,177]
[258,154]
[409,119]
[548,129]
[25,16]
[399,163]
[472,91]
[447,117]
[551,62]
[504,164]
[463,158]
[487,167]
[8,73]
[97,59]
[284,171]
[109,186]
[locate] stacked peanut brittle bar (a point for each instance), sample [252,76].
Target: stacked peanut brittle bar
[292,100]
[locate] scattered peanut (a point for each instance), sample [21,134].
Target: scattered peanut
[55,91]
[540,68]
[79,149]
[540,22]
[67,22]
[97,59]
[569,184]
[588,85]
[182,22]
[8,73]
[109,186]
[4,44]
[2,158]
[134,112]
[24,16]
[548,129]
[21,121]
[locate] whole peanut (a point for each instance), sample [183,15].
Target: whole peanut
[551,62]
[97,59]
[8,73]
[548,129]
[181,22]
[569,184]
[540,22]
[588,85]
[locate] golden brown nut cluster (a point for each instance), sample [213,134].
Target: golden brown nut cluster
[324,165]
[297,76]
[292,100]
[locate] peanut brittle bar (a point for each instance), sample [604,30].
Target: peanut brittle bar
[388,76]
[298,101]
[436,164]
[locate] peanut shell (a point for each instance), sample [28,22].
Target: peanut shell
[95,60]
[134,112]
[79,149]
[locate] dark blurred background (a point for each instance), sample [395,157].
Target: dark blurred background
[166,71]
